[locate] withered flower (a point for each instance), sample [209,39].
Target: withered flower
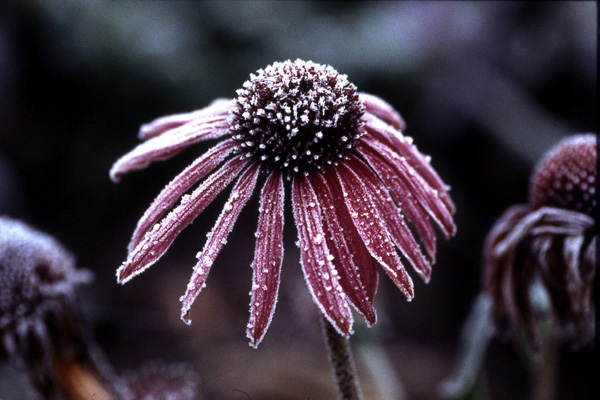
[41,331]
[546,248]
[356,183]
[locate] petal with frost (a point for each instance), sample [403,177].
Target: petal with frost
[320,274]
[372,229]
[169,143]
[379,154]
[382,109]
[158,240]
[414,211]
[360,254]
[268,256]
[349,271]
[163,124]
[217,238]
[394,222]
[178,186]
[403,145]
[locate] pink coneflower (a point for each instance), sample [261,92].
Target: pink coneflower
[356,184]
[548,246]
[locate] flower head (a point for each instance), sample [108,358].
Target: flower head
[546,249]
[40,326]
[356,182]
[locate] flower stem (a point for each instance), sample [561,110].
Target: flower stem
[80,382]
[342,364]
[547,369]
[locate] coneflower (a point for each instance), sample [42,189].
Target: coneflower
[548,243]
[41,330]
[356,184]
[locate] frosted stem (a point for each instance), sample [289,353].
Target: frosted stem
[342,364]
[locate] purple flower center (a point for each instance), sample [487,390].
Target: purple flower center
[296,116]
[566,177]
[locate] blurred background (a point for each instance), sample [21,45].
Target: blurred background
[485,88]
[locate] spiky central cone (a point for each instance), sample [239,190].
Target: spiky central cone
[296,116]
[19,295]
[566,177]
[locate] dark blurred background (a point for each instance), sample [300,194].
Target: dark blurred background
[485,87]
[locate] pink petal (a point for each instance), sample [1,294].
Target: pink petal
[360,253]
[267,258]
[218,237]
[386,161]
[178,186]
[320,274]
[405,148]
[349,271]
[372,228]
[161,125]
[157,241]
[169,143]
[382,109]
[408,204]
[399,231]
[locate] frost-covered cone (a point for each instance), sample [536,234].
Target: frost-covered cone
[40,326]
[547,249]
[356,183]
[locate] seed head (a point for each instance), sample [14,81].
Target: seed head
[566,177]
[296,116]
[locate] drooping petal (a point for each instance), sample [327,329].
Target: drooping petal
[381,155]
[219,107]
[403,145]
[159,238]
[382,109]
[499,258]
[399,231]
[372,228]
[218,237]
[178,186]
[410,206]
[319,272]
[350,272]
[170,143]
[360,254]
[268,256]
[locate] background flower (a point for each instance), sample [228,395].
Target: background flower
[540,257]
[42,332]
